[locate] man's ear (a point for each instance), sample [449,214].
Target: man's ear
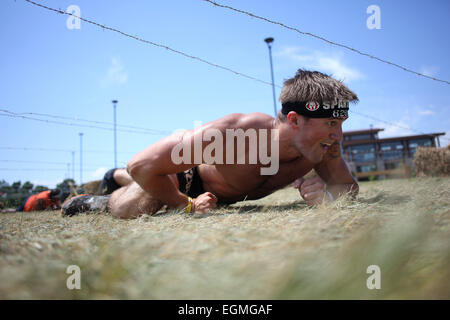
[293,119]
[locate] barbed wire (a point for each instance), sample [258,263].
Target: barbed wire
[36,149]
[323,39]
[11,114]
[87,166]
[150,42]
[215,65]
[20,115]
[153,131]
[37,161]
[41,169]
[61,150]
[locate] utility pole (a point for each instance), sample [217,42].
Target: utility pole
[81,158]
[269,41]
[115,133]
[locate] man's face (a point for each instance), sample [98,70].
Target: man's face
[316,136]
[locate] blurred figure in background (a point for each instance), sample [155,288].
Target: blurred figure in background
[49,199]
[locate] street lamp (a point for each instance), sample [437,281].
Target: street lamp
[73,166]
[115,133]
[269,41]
[81,158]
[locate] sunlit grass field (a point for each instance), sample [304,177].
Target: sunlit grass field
[273,248]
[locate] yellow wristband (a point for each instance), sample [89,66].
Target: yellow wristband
[189,206]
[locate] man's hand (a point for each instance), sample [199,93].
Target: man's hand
[312,190]
[204,202]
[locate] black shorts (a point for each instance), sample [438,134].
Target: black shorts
[190,182]
[108,184]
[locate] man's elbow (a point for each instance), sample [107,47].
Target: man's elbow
[132,169]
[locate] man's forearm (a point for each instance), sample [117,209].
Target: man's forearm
[160,187]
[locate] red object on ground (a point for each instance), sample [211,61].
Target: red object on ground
[46,201]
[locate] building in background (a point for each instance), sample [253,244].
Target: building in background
[369,155]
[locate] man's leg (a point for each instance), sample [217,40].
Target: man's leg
[122,177]
[132,201]
[113,180]
[126,202]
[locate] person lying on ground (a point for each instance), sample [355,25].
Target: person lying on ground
[44,200]
[197,169]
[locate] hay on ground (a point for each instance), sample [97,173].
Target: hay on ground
[432,162]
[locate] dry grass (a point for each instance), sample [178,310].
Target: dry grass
[274,248]
[432,162]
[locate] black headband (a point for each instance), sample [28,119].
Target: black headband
[314,109]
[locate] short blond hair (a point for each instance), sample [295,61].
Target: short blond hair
[315,86]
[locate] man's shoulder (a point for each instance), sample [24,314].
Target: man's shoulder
[255,120]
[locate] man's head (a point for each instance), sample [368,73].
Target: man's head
[55,194]
[314,108]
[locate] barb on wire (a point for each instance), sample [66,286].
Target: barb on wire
[150,42]
[323,39]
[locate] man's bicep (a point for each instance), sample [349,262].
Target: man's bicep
[171,154]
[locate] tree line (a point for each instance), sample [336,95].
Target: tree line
[12,195]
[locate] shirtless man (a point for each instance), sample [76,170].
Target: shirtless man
[308,131]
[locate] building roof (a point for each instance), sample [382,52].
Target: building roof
[419,136]
[350,133]
[365,141]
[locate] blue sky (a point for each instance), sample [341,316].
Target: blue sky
[49,69]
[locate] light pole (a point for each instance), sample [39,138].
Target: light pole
[269,41]
[115,133]
[81,158]
[73,166]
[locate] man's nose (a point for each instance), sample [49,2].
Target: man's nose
[337,134]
